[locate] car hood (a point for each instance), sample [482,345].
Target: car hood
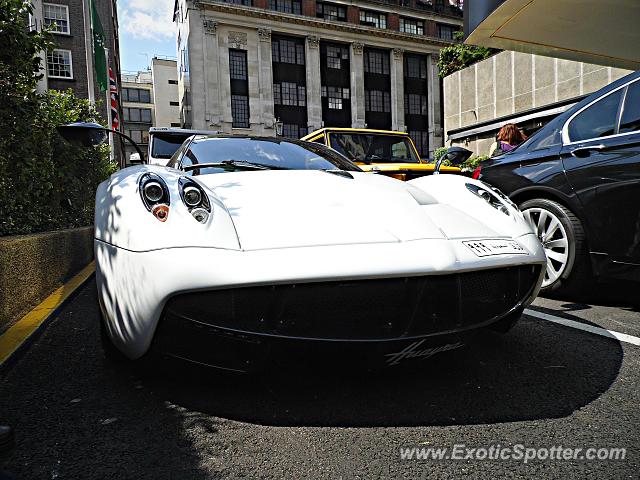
[281,209]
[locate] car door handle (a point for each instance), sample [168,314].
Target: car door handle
[582,152]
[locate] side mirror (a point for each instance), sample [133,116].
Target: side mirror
[83,134]
[135,158]
[455,156]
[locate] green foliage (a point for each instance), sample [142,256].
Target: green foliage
[439,152]
[456,57]
[472,162]
[45,183]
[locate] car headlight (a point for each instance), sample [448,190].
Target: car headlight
[195,199]
[493,197]
[155,195]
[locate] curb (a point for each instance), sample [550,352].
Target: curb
[20,335]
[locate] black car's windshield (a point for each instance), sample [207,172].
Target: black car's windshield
[165,145]
[373,148]
[223,154]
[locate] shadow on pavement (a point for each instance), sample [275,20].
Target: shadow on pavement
[537,371]
[611,294]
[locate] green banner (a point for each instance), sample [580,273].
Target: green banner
[99,44]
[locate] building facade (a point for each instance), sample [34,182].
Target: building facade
[138,109]
[70,65]
[258,66]
[164,75]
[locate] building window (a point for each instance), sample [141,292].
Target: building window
[415,104]
[335,96]
[373,19]
[291,130]
[287,93]
[56,17]
[139,95]
[59,64]
[415,67]
[137,115]
[175,124]
[410,25]
[173,82]
[335,55]
[239,88]
[240,111]
[138,136]
[286,6]
[329,11]
[238,64]
[377,101]
[446,31]
[421,141]
[287,51]
[174,104]
[376,62]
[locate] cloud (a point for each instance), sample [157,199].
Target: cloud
[148,19]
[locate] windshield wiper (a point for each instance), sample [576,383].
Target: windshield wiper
[238,164]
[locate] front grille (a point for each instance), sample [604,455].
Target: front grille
[362,309]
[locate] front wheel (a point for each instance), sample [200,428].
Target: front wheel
[563,239]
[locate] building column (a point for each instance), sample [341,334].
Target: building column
[314,83]
[213,113]
[265,81]
[435,109]
[397,90]
[357,85]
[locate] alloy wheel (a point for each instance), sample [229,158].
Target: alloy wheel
[554,239]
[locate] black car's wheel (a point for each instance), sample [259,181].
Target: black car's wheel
[562,236]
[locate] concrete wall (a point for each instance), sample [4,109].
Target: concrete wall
[510,83]
[32,266]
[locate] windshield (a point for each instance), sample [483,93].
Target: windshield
[165,145]
[374,148]
[230,153]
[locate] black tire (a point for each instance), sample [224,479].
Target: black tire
[577,271]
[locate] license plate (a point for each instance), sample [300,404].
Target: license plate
[485,248]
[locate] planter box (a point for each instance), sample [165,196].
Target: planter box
[32,266]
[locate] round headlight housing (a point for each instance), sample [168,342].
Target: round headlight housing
[153,191]
[192,196]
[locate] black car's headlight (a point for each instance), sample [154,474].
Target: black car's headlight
[155,195]
[195,199]
[491,196]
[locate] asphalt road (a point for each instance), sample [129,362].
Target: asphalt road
[542,385]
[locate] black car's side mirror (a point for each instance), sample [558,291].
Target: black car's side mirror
[455,156]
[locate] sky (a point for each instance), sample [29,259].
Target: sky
[146,29]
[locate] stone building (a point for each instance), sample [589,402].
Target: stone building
[164,75]
[251,66]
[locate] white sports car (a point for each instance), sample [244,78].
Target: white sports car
[244,250]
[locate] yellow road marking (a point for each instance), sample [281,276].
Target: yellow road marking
[13,338]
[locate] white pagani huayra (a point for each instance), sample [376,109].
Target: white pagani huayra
[247,250]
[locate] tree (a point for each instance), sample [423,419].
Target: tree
[45,183]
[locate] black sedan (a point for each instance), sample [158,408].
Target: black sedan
[578,181]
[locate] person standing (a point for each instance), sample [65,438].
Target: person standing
[509,137]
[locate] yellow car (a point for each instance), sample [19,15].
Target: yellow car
[387,152]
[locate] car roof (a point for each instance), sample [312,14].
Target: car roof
[353,130]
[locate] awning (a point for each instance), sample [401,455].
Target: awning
[593,31]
